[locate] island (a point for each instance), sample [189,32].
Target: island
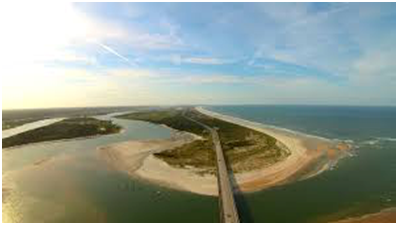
[258,156]
[64,129]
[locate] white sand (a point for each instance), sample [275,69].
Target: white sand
[129,156]
[159,171]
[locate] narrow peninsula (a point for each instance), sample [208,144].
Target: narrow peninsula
[65,129]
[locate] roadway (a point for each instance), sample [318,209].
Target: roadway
[229,213]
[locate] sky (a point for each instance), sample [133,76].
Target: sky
[111,54]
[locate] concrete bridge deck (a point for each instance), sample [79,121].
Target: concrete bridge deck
[228,211]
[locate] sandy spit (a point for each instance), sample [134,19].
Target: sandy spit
[307,159]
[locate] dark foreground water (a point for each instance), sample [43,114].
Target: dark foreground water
[68,182]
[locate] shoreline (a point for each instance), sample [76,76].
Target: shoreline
[306,151]
[136,158]
[387,215]
[306,159]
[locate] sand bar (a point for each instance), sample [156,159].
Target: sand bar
[384,216]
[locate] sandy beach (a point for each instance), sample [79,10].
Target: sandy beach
[308,157]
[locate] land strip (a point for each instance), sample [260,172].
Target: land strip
[65,129]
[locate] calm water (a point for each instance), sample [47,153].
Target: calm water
[67,181]
[74,185]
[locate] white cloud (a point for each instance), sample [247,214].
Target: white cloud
[133,73]
[178,60]
[67,56]
[60,87]
[331,40]
[148,41]
[203,60]
[135,37]
[210,79]
[375,64]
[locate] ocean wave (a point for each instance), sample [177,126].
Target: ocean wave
[386,139]
[349,141]
[371,142]
[376,141]
[345,141]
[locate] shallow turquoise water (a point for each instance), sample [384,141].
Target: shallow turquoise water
[74,185]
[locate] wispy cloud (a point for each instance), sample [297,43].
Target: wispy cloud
[211,79]
[136,37]
[178,59]
[134,73]
[329,40]
[292,52]
[203,60]
[72,57]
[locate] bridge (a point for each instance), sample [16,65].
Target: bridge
[228,211]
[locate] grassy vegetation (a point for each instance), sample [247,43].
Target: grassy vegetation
[245,149]
[199,153]
[170,117]
[65,129]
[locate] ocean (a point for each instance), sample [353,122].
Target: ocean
[359,184]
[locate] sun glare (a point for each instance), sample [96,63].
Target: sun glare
[39,32]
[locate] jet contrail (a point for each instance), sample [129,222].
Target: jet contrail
[109,49]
